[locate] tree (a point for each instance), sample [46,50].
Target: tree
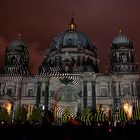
[36,115]
[20,114]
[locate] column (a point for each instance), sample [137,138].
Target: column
[119,86]
[46,95]
[114,95]
[38,93]
[19,95]
[85,94]
[16,89]
[132,89]
[135,96]
[93,96]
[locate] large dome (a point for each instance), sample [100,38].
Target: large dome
[72,39]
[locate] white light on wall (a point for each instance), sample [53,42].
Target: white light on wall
[43,107]
[128,110]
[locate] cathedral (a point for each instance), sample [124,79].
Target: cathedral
[68,78]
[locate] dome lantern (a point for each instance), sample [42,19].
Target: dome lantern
[19,36]
[72,25]
[120,32]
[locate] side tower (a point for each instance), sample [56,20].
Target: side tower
[125,76]
[17,87]
[122,55]
[16,58]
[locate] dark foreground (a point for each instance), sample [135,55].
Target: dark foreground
[69,132]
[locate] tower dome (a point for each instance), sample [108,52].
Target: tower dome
[71,51]
[121,39]
[17,44]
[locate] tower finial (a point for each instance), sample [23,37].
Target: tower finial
[120,31]
[72,25]
[19,36]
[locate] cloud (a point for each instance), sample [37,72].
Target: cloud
[36,56]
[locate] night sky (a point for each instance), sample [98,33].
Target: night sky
[39,21]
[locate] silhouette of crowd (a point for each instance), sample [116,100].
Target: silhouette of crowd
[68,131]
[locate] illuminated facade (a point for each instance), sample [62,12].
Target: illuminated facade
[68,78]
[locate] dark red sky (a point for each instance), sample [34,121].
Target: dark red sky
[39,21]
